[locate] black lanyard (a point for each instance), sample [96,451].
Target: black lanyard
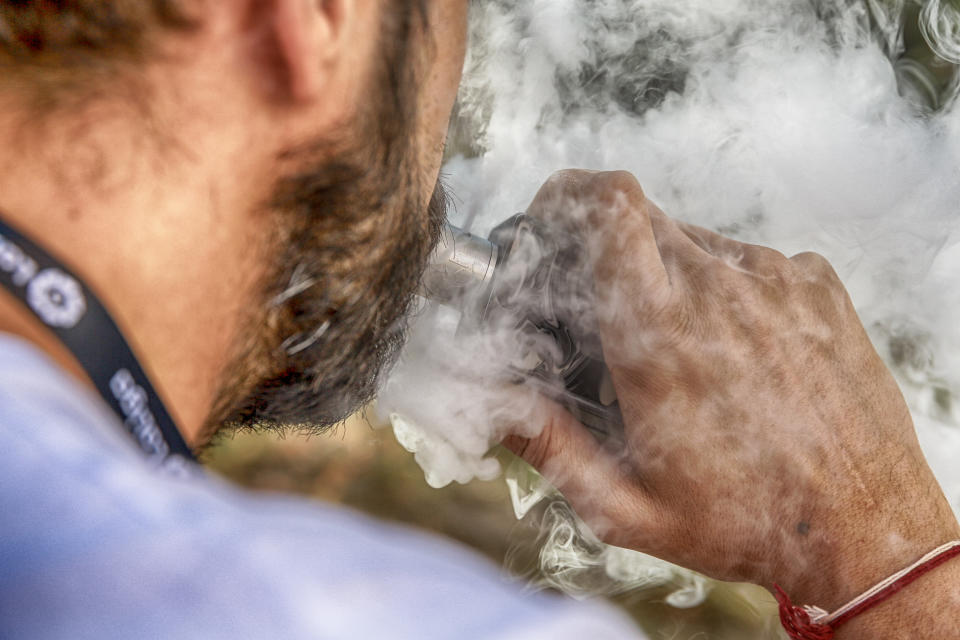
[61,301]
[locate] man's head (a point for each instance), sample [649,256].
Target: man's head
[313,130]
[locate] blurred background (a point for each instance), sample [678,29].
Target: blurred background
[365,468]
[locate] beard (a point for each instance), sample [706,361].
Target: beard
[350,239]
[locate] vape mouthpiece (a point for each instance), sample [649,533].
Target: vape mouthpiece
[462,265]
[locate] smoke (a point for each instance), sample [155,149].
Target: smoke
[940,23]
[798,124]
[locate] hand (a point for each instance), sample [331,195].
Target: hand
[765,439]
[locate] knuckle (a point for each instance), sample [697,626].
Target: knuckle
[815,264]
[520,446]
[562,177]
[770,258]
[778,265]
[536,451]
[598,193]
[810,258]
[567,181]
[761,261]
[618,182]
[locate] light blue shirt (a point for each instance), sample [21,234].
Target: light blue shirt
[97,543]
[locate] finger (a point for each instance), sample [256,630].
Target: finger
[557,200]
[591,203]
[709,241]
[644,270]
[606,212]
[596,482]
[625,252]
[678,250]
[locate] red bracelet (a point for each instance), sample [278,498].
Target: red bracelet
[813,623]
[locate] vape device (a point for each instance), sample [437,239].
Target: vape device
[530,279]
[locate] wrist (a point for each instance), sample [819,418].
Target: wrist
[927,609]
[834,565]
[918,600]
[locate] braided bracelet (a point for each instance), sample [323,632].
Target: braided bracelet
[813,623]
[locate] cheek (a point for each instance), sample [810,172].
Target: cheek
[449,32]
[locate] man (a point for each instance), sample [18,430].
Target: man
[249,187]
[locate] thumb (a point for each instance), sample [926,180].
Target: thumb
[597,482]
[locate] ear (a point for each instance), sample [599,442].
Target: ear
[308,34]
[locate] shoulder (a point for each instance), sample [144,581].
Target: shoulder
[96,542]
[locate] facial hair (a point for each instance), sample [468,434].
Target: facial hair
[335,308]
[351,237]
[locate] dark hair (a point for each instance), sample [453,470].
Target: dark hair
[71,32]
[47,42]
[59,53]
[67,33]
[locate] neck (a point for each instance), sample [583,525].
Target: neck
[16,320]
[154,236]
